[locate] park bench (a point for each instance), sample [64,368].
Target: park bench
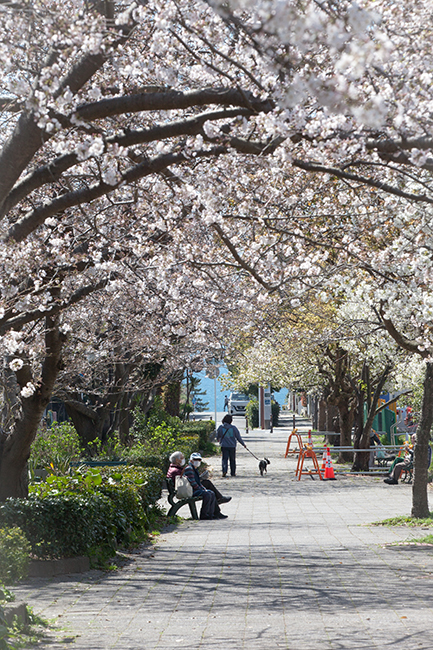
[407,473]
[381,468]
[176,504]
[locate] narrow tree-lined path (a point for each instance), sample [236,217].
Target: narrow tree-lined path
[296,565]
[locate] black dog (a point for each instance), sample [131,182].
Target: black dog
[263,466]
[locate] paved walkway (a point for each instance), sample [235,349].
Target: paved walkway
[296,565]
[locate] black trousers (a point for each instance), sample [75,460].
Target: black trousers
[229,455]
[210,486]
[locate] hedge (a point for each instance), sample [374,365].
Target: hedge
[63,525]
[186,444]
[253,413]
[14,555]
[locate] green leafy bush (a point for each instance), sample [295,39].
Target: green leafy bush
[275,408]
[128,513]
[131,490]
[134,491]
[63,525]
[14,555]
[109,450]
[146,481]
[160,434]
[188,445]
[252,411]
[139,454]
[144,425]
[55,448]
[205,430]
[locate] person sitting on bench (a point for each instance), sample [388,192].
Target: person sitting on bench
[400,464]
[200,486]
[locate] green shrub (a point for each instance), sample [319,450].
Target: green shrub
[14,555]
[204,429]
[55,448]
[134,491]
[146,481]
[131,490]
[252,411]
[128,513]
[63,525]
[144,425]
[275,408]
[109,450]
[188,445]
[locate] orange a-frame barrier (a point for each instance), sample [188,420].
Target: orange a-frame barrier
[296,450]
[307,452]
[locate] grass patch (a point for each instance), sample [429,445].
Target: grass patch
[402,520]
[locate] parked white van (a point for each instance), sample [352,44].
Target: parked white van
[238,403]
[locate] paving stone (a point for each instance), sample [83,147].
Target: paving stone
[297,565]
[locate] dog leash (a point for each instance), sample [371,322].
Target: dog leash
[251,453]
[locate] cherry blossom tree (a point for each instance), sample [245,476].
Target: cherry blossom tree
[235,138]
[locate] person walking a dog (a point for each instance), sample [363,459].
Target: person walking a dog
[228,436]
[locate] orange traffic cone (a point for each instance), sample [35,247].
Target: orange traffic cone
[310,439]
[324,461]
[329,470]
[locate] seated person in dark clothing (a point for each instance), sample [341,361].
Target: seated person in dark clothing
[402,463]
[210,506]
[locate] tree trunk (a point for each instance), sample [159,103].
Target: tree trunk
[321,425]
[124,418]
[361,460]
[420,506]
[331,413]
[346,415]
[15,447]
[90,422]
[171,398]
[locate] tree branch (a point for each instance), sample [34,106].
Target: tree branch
[239,259]
[399,338]
[172,100]
[16,322]
[338,173]
[54,170]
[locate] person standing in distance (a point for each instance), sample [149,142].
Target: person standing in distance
[228,436]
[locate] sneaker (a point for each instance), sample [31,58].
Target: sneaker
[224,474]
[220,516]
[224,500]
[390,481]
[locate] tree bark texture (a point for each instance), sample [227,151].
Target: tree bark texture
[346,414]
[362,439]
[15,449]
[171,398]
[420,507]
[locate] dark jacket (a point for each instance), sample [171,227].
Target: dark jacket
[194,478]
[228,435]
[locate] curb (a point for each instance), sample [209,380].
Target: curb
[16,609]
[49,568]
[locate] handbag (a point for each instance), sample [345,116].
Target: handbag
[183,487]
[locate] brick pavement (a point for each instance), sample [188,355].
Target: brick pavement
[296,565]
